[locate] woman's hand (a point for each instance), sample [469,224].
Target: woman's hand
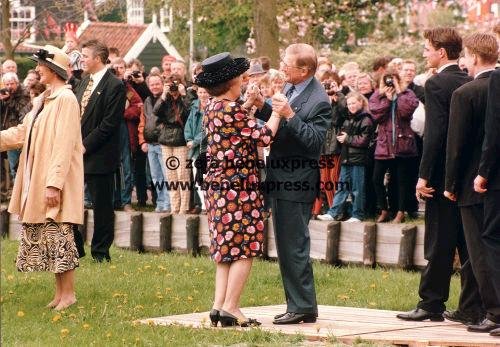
[341,138]
[144,147]
[397,86]
[52,196]
[182,89]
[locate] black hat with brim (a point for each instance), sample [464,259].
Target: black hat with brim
[220,68]
[53,58]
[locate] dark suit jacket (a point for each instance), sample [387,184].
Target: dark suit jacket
[299,140]
[101,124]
[465,139]
[489,166]
[419,92]
[438,90]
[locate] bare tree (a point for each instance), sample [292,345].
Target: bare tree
[266,29]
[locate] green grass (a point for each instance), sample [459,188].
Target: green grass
[135,286]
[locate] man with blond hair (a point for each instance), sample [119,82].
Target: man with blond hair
[307,113]
[463,153]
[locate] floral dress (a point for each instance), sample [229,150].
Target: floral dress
[233,199]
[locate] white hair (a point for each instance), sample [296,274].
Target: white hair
[10,76]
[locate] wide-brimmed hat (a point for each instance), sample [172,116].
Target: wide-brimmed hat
[256,69]
[54,58]
[220,68]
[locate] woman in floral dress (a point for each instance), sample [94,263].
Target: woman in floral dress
[233,199]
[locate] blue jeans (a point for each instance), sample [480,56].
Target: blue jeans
[126,176]
[158,176]
[13,157]
[352,181]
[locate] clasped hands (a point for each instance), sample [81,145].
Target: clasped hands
[280,104]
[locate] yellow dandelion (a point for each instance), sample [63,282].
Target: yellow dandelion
[372,303]
[147,267]
[372,285]
[112,267]
[190,298]
[108,335]
[64,332]
[86,326]
[56,318]
[20,313]
[343,296]
[10,278]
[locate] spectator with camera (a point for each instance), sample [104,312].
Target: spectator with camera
[396,151]
[148,132]
[355,136]
[135,75]
[128,139]
[365,85]
[14,104]
[172,115]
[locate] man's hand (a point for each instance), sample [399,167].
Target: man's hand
[4,96]
[450,196]
[144,147]
[189,144]
[254,96]
[480,184]
[422,191]
[341,138]
[281,106]
[52,196]
[182,89]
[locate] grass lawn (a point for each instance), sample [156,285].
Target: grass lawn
[111,296]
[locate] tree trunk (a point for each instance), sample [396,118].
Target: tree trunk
[266,30]
[5,30]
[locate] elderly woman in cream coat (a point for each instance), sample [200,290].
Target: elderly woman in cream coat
[48,190]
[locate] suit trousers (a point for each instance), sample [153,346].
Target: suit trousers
[472,218]
[443,235]
[101,189]
[291,232]
[491,235]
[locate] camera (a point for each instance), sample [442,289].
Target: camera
[174,87]
[136,74]
[4,91]
[327,85]
[389,80]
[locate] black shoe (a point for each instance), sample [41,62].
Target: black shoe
[495,332]
[214,317]
[295,318]
[419,315]
[228,320]
[462,317]
[484,327]
[280,315]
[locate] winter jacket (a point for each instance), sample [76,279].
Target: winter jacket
[133,110]
[14,108]
[193,130]
[359,130]
[339,115]
[394,139]
[171,128]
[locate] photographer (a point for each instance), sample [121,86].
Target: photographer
[330,152]
[14,104]
[135,75]
[172,115]
[396,150]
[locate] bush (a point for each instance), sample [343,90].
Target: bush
[23,65]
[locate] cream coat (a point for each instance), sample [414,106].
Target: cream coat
[55,160]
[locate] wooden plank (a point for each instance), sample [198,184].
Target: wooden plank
[270,241]
[151,230]
[370,244]
[204,234]
[179,240]
[4,221]
[90,226]
[14,227]
[122,229]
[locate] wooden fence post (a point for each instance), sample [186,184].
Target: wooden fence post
[166,233]
[136,232]
[370,244]
[332,243]
[193,235]
[4,222]
[407,247]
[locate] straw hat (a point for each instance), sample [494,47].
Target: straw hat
[54,58]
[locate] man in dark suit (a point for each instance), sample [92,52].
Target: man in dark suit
[102,102]
[463,152]
[487,182]
[293,176]
[443,229]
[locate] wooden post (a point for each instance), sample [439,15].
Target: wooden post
[166,233]
[83,228]
[407,247]
[370,244]
[193,235]
[332,243]
[136,232]
[4,222]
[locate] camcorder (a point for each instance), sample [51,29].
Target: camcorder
[389,80]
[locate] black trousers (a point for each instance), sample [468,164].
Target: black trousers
[101,189]
[139,164]
[472,218]
[491,235]
[291,232]
[401,171]
[443,235]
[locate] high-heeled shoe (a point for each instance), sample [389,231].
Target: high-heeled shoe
[228,320]
[214,317]
[384,216]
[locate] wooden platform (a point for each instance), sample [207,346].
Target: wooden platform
[348,324]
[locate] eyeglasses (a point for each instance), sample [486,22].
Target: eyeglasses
[286,66]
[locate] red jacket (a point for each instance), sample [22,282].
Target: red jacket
[133,110]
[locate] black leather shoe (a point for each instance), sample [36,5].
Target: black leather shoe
[228,320]
[419,315]
[295,318]
[495,332]
[485,327]
[214,317]
[463,317]
[280,315]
